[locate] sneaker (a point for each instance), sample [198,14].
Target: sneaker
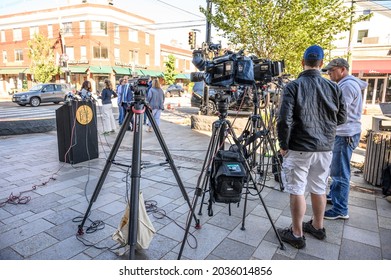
[332,215]
[388,198]
[288,237]
[317,233]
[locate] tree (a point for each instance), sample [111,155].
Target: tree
[169,74]
[281,29]
[43,65]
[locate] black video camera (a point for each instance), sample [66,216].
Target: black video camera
[141,85]
[265,70]
[223,71]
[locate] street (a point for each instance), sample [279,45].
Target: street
[12,111]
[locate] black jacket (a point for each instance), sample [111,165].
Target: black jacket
[311,108]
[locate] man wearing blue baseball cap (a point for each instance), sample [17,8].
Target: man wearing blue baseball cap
[311,108]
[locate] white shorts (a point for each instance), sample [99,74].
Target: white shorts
[306,170]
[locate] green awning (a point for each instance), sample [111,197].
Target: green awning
[138,72]
[152,73]
[101,69]
[13,71]
[182,76]
[122,70]
[78,69]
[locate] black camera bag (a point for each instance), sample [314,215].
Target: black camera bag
[227,177]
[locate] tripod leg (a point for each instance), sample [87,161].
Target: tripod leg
[170,160]
[135,180]
[204,178]
[247,167]
[274,153]
[211,152]
[106,168]
[167,155]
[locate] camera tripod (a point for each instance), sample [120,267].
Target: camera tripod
[220,130]
[257,135]
[137,108]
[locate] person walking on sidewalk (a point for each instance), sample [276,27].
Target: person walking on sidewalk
[346,139]
[109,125]
[119,101]
[311,108]
[155,99]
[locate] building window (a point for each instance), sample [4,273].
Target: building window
[2,36]
[83,52]
[147,62]
[366,12]
[67,28]
[33,30]
[361,34]
[50,31]
[133,35]
[133,57]
[116,31]
[19,55]
[116,54]
[5,59]
[101,52]
[147,39]
[99,27]
[82,25]
[70,53]
[17,32]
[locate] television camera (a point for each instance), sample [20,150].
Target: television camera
[265,69]
[223,71]
[234,69]
[140,86]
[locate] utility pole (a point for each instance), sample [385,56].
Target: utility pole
[63,57]
[349,58]
[204,105]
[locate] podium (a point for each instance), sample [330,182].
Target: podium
[77,133]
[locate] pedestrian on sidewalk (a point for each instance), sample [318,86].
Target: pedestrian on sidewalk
[127,97]
[310,110]
[119,100]
[148,88]
[346,139]
[107,94]
[155,98]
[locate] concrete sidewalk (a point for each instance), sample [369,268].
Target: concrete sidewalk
[56,197]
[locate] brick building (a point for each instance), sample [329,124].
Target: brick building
[97,41]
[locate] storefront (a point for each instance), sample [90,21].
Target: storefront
[98,74]
[13,80]
[377,73]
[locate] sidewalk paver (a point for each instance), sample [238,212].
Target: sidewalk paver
[45,228]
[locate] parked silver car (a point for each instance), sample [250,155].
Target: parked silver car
[42,93]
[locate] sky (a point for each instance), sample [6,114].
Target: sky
[184,15]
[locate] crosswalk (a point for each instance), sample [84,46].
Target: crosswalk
[49,111]
[18,112]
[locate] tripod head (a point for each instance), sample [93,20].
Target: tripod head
[222,101]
